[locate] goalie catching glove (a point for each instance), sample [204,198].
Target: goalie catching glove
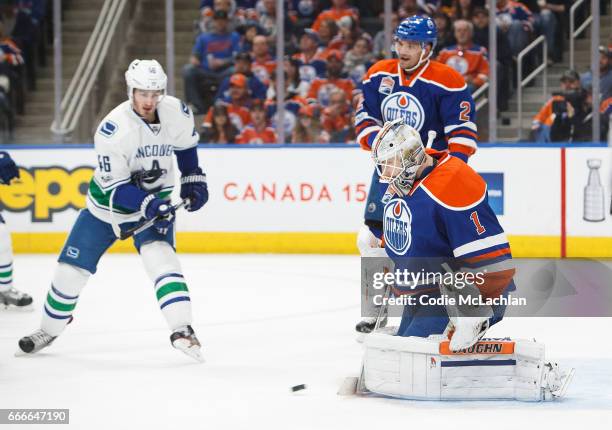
[194,189]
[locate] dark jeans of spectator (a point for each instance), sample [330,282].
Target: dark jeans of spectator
[201,86]
[504,85]
[546,24]
[518,37]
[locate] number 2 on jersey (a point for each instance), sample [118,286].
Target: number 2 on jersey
[479,228]
[465,111]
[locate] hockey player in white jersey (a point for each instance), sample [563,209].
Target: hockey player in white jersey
[9,295]
[135,146]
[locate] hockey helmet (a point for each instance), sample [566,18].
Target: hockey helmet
[420,29]
[145,75]
[398,153]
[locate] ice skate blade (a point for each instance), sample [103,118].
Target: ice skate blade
[568,379]
[186,347]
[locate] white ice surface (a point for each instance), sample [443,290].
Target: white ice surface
[267,323]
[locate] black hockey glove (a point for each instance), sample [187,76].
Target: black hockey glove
[161,210]
[8,168]
[194,188]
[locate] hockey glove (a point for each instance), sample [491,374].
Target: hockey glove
[160,210]
[194,188]
[8,168]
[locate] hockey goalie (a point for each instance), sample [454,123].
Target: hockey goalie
[439,220]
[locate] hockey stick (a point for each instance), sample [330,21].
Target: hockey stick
[355,385]
[125,234]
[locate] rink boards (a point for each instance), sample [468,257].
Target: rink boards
[311,199]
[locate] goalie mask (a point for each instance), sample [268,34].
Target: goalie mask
[145,75]
[398,153]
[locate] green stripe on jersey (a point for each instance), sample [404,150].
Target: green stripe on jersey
[6,274]
[63,307]
[102,198]
[172,287]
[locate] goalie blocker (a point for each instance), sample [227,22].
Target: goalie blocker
[426,369]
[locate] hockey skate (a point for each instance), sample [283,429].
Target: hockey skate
[367,324]
[15,298]
[466,331]
[34,342]
[185,340]
[555,381]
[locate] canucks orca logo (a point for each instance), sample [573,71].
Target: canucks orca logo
[397,218]
[108,129]
[406,106]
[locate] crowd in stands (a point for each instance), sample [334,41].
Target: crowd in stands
[329,46]
[22,27]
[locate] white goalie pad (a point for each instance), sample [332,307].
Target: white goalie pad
[493,369]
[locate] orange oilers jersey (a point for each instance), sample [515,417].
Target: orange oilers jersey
[239,115]
[470,63]
[546,116]
[335,14]
[251,135]
[264,70]
[320,90]
[434,98]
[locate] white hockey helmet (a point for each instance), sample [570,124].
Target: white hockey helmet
[145,75]
[398,153]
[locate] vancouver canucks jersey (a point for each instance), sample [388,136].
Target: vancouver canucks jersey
[446,218]
[434,98]
[127,146]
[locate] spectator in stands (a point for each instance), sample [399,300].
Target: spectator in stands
[558,11]
[321,89]
[308,127]
[310,57]
[445,31]
[408,8]
[306,11]
[336,118]
[293,103]
[605,74]
[257,90]
[328,32]
[211,60]
[249,30]
[263,64]
[296,85]
[563,112]
[258,131]
[465,57]
[480,20]
[349,32]
[238,105]
[11,77]
[220,129]
[27,33]
[516,21]
[207,11]
[381,50]
[339,9]
[463,9]
[359,59]
[546,23]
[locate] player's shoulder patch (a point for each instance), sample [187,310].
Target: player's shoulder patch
[108,128]
[454,185]
[388,67]
[443,76]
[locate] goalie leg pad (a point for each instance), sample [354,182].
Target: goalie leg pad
[62,297]
[162,266]
[426,369]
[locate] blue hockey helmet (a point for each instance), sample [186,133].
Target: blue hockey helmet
[418,28]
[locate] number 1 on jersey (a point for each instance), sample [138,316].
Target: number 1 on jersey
[479,228]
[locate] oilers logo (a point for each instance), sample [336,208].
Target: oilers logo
[397,218]
[459,63]
[406,106]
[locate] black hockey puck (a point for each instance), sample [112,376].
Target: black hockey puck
[298,388]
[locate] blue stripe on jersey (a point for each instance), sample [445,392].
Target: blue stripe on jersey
[57,317]
[6,266]
[470,363]
[174,300]
[5,282]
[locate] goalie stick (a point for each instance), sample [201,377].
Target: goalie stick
[353,385]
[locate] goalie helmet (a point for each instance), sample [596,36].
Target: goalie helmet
[145,75]
[398,153]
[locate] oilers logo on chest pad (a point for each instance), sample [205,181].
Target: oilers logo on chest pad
[396,221]
[406,106]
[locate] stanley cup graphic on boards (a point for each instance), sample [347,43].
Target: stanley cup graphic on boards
[594,194]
